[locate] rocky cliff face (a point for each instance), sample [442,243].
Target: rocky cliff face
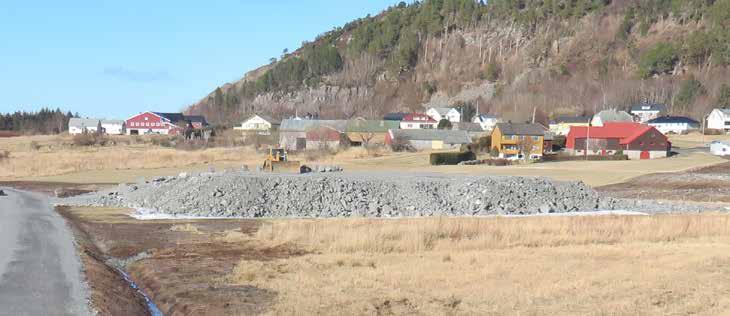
[557,66]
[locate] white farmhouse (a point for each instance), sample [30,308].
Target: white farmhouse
[439,114]
[418,121]
[719,119]
[720,148]
[648,111]
[674,124]
[78,125]
[258,124]
[114,127]
[487,121]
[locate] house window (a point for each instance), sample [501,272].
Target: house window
[536,138]
[146,118]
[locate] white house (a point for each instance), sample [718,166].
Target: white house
[83,125]
[418,121]
[674,124]
[720,148]
[439,114]
[486,121]
[114,127]
[719,119]
[648,111]
[611,116]
[258,124]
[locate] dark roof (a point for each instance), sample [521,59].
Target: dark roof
[396,116]
[573,119]
[173,117]
[673,119]
[196,118]
[179,117]
[649,107]
[521,129]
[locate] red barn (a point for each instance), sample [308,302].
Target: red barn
[638,141]
[163,123]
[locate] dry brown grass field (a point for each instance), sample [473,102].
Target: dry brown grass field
[54,158]
[525,266]
[602,265]
[593,265]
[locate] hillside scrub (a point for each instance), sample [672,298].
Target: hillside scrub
[574,57]
[658,60]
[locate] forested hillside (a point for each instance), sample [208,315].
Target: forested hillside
[505,57]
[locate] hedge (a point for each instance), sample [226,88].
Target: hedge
[553,158]
[438,159]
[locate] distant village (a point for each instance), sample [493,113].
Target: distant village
[639,133]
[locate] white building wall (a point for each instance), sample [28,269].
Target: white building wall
[645,116]
[720,149]
[113,129]
[434,114]
[453,115]
[717,120]
[677,128]
[487,125]
[255,124]
[417,125]
[75,130]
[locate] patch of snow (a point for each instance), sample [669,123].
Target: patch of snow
[593,213]
[144,214]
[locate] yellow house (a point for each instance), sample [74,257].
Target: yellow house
[518,141]
[562,124]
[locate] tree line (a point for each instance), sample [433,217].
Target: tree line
[45,121]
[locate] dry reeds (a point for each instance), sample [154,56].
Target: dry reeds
[465,234]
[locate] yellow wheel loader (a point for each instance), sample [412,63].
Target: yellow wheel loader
[278,161]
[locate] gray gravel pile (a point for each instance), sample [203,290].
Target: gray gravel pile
[249,195]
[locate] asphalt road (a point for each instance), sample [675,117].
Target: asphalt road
[40,273]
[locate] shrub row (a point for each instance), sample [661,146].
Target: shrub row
[553,158]
[490,162]
[453,158]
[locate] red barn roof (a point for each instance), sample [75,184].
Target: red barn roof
[626,132]
[418,117]
[323,133]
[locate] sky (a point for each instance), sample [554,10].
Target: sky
[113,59]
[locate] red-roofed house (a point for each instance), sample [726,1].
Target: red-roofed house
[418,121]
[638,141]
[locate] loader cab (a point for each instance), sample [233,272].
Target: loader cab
[277,154]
